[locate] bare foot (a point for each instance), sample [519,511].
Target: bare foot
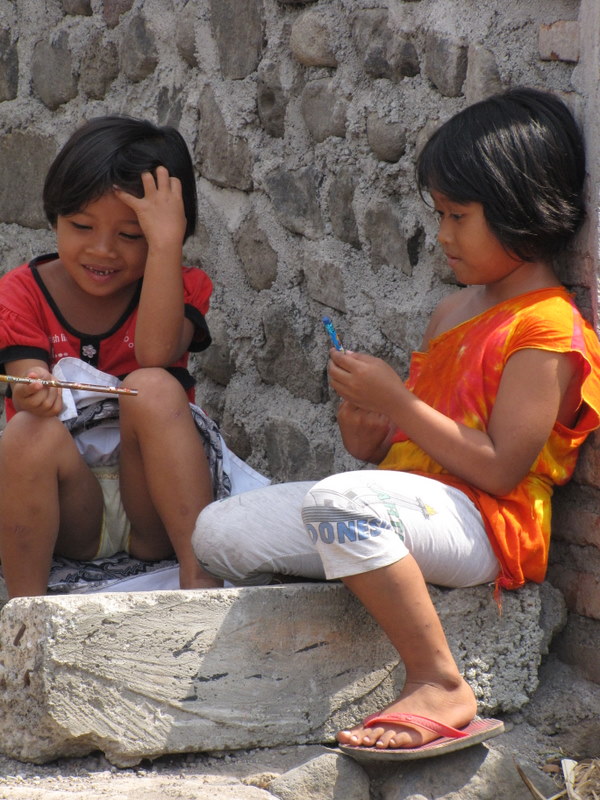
[452,704]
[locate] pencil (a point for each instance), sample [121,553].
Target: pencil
[84,387]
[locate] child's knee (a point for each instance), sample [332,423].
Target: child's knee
[157,390]
[29,435]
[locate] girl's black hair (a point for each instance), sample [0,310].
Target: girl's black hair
[114,151]
[521,155]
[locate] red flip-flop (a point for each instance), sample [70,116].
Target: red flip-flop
[449,738]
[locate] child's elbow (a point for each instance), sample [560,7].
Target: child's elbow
[154,357]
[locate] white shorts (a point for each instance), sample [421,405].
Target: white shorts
[344,525]
[116,528]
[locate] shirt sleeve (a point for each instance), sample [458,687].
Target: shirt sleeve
[569,333]
[197,291]
[22,333]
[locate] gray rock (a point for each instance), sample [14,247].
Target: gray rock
[9,66]
[143,674]
[325,281]
[446,64]
[341,211]
[386,139]
[482,76]
[99,66]
[384,230]
[294,197]
[477,773]
[386,53]
[217,361]
[185,34]
[578,644]
[311,40]
[283,358]
[326,777]
[225,159]
[292,454]
[138,49]
[82,7]
[324,110]
[239,33]
[271,100]
[112,10]
[52,71]
[567,708]
[24,161]
[256,254]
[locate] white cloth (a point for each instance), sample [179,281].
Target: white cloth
[353,523]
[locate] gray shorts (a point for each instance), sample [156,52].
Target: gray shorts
[344,525]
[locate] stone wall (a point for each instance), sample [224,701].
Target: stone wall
[304,119]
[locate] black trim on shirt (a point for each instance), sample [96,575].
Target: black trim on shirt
[133,303]
[201,338]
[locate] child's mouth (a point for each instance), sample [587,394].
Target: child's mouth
[102,273]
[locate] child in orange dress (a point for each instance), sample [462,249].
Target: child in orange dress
[500,397]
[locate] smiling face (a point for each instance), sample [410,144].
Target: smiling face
[102,247]
[474,253]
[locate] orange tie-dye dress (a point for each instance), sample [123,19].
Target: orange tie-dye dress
[459,375]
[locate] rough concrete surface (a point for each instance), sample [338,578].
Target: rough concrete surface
[145,674]
[301,772]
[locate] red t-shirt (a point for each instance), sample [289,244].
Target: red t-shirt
[32,326]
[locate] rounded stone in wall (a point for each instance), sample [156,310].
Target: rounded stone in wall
[386,139]
[225,159]
[258,258]
[112,10]
[217,361]
[482,77]
[283,359]
[52,71]
[185,34]
[139,55]
[81,7]
[99,66]
[341,211]
[324,110]
[291,455]
[271,99]
[385,53]
[383,228]
[294,195]
[238,29]
[24,161]
[446,64]
[9,66]
[311,41]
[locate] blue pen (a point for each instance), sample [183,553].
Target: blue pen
[335,341]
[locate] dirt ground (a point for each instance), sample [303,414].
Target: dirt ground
[240,776]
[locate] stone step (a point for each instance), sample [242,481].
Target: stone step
[139,675]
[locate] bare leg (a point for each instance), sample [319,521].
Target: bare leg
[50,502]
[397,597]
[165,479]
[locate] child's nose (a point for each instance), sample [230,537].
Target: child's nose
[102,245]
[444,233]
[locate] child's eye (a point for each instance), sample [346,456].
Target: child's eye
[80,227]
[132,237]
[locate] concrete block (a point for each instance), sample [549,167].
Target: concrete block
[140,675]
[559,41]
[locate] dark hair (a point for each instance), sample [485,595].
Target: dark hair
[521,155]
[114,151]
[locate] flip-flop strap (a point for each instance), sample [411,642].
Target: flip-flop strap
[414,719]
